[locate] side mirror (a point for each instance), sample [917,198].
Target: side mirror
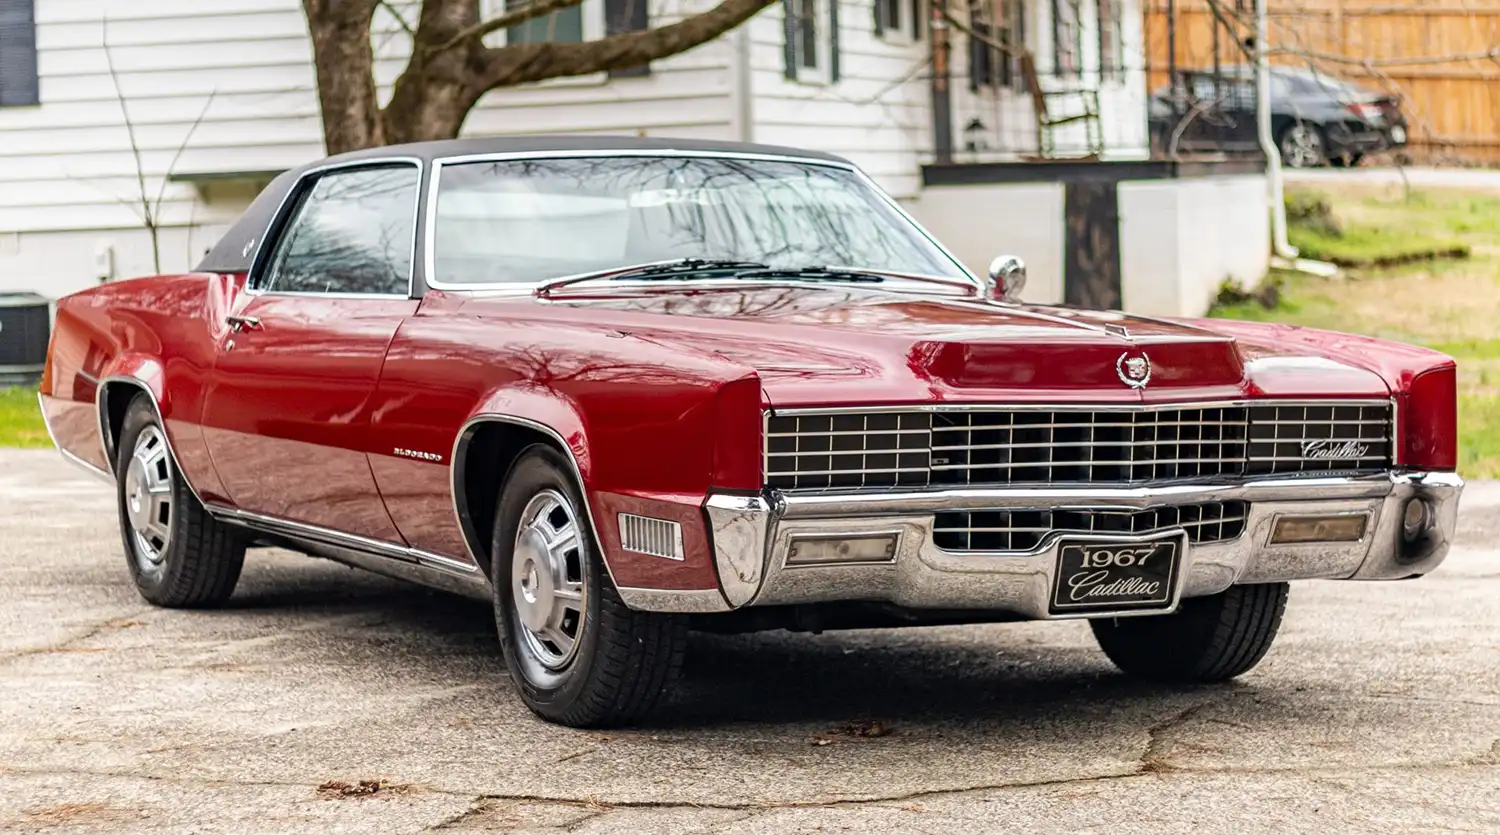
[1007,278]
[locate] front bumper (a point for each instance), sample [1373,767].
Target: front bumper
[751,537]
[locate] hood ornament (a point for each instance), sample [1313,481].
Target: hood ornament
[1134,371]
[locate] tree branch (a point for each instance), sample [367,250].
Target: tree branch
[523,63]
[400,21]
[513,17]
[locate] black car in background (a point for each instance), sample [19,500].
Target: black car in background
[1317,119]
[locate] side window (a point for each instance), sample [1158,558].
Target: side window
[352,232]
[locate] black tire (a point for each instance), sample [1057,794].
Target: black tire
[622,661]
[198,562]
[1302,145]
[1207,639]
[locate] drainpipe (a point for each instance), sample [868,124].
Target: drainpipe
[942,97]
[742,114]
[1279,244]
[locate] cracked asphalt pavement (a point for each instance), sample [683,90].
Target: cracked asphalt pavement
[1378,710]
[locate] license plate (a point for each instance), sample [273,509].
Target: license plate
[1113,576]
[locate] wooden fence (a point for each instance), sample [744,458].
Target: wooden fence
[1441,57]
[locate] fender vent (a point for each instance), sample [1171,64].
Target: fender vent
[656,537]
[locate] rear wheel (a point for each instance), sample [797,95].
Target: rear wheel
[1207,639]
[577,654]
[177,554]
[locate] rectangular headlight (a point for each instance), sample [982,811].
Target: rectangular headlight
[1347,527]
[843,549]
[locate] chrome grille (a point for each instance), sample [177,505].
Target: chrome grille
[1358,436]
[998,447]
[1023,530]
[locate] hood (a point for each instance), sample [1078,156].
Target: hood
[831,345]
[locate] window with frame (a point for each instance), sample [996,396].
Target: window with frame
[561,26]
[19,85]
[353,231]
[1111,38]
[898,20]
[807,45]
[995,44]
[1067,38]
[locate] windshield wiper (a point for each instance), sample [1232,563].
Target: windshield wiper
[813,271]
[677,268]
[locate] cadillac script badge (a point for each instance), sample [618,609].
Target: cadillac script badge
[1134,371]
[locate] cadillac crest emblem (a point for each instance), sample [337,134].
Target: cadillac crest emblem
[1134,371]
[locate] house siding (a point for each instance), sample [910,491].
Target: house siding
[222,86]
[877,114]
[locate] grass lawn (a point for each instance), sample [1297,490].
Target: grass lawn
[21,420]
[1451,304]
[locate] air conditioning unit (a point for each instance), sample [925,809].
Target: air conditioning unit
[25,327]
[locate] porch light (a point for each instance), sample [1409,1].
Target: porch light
[974,135]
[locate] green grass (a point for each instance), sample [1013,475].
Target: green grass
[1389,228]
[21,420]
[1451,306]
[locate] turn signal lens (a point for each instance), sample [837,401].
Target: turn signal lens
[842,550]
[1291,530]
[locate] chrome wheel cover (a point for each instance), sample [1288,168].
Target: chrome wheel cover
[148,498]
[546,579]
[1302,147]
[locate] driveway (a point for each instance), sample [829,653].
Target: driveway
[1479,179]
[1377,711]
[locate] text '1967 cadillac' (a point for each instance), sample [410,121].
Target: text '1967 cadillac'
[625,388]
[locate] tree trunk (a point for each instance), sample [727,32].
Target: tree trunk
[345,62]
[433,96]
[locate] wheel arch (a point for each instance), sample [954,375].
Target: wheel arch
[117,389]
[488,445]
[113,398]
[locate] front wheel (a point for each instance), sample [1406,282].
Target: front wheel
[1207,639]
[576,653]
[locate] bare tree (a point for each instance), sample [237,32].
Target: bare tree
[146,207]
[450,66]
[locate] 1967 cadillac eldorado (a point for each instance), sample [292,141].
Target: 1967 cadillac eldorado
[627,387]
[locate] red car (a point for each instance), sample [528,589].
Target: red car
[627,387]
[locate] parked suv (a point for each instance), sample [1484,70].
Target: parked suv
[1316,119]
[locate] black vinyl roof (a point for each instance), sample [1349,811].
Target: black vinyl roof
[236,250]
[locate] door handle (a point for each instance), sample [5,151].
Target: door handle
[239,324]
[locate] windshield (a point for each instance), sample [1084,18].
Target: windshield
[531,220]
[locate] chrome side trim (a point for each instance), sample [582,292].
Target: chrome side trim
[455,473]
[104,437]
[684,601]
[1069,407]
[257,263]
[328,536]
[429,233]
[102,475]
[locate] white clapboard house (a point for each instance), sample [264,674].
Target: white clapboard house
[220,96]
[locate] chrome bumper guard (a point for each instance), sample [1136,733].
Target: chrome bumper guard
[752,537]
